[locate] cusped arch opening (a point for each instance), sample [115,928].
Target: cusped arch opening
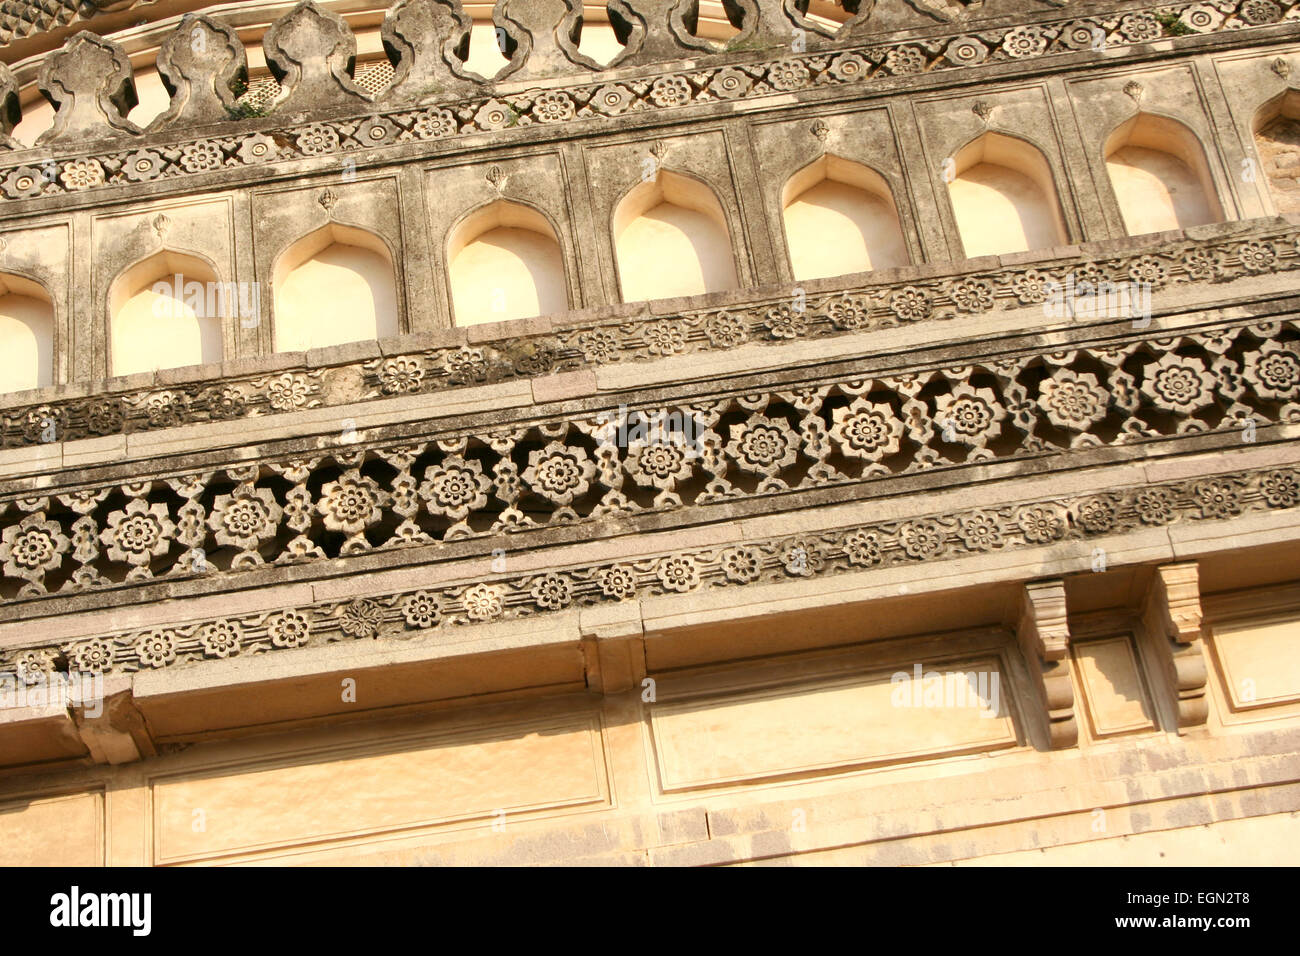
[1160,176]
[26,335]
[504,262]
[840,218]
[334,286]
[1277,143]
[1004,197]
[166,311]
[671,239]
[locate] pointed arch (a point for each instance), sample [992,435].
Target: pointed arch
[504,262]
[332,286]
[671,239]
[1160,175]
[1004,197]
[1277,142]
[26,335]
[840,218]
[166,311]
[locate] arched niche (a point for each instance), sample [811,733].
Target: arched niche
[840,218]
[1277,141]
[333,286]
[1160,176]
[1004,197]
[671,239]
[26,335]
[504,262]
[167,311]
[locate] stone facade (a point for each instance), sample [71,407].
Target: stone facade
[656,433]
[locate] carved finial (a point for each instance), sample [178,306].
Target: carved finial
[89,82]
[160,226]
[654,31]
[311,52]
[428,40]
[497,178]
[820,129]
[10,110]
[1282,68]
[4,243]
[540,37]
[198,63]
[328,199]
[1133,90]
[658,149]
[983,110]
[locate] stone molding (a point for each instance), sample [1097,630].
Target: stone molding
[881,302]
[466,481]
[876,545]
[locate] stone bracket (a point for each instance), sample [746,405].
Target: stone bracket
[613,646]
[1171,615]
[117,733]
[1043,632]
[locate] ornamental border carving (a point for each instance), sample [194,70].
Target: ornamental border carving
[411,613]
[771,320]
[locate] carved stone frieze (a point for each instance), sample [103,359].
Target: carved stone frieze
[463,483]
[432,610]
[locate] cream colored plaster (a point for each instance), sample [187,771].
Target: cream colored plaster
[671,239]
[334,286]
[505,263]
[1160,176]
[164,314]
[1004,198]
[26,335]
[840,219]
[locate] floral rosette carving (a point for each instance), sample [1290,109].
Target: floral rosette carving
[866,430]
[1073,401]
[455,487]
[351,504]
[969,415]
[32,548]
[1179,383]
[559,473]
[138,533]
[245,519]
[763,446]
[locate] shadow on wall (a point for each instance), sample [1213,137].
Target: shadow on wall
[839,219]
[504,262]
[334,286]
[671,239]
[1277,140]
[1160,176]
[1004,197]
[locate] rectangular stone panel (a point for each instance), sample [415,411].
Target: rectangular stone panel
[382,787]
[831,724]
[1113,688]
[66,830]
[1260,660]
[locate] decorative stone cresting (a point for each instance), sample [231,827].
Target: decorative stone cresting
[198,64]
[311,51]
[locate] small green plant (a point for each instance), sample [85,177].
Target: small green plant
[243,110]
[1174,27]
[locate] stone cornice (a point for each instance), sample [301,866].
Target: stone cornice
[427,494]
[897,298]
[429,613]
